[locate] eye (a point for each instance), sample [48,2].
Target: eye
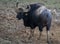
[20,10]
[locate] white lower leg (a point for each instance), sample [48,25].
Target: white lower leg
[48,36]
[40,35]
[31,33]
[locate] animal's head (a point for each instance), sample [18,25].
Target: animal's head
[22,11]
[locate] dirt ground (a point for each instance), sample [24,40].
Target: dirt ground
[13,31]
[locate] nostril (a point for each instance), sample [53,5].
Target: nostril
[18,17]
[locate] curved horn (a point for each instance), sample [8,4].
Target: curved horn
[19,8]
[17,3]
[28,7]
[16,6]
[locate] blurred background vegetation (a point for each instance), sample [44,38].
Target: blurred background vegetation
[48,3]
[13,31]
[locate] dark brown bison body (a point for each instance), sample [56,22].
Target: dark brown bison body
[36,16]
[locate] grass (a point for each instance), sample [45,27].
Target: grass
[11,29]
[49,3]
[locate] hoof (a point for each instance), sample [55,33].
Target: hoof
[48,42]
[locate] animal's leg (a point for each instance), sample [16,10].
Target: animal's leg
[40,29]
[31,33]
[48,35]
[40,34]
